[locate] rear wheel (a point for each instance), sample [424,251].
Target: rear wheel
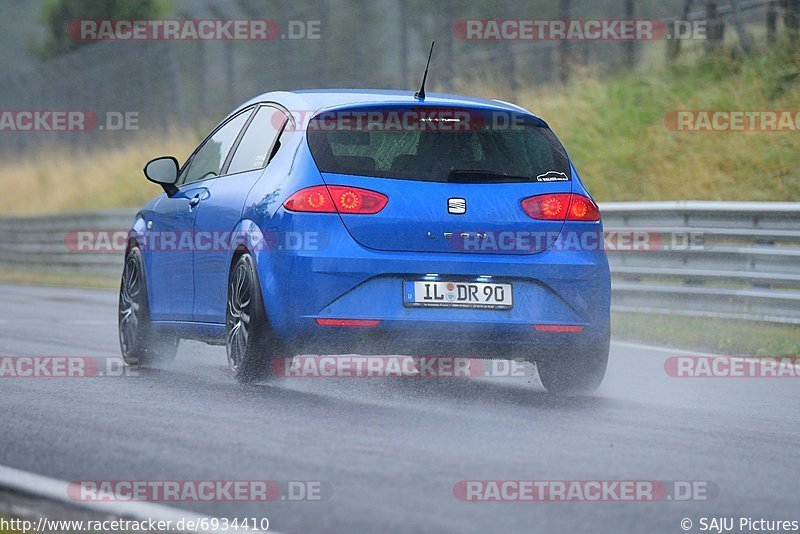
[250,343]
[139,343]
[575,372]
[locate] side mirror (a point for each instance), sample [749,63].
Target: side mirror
[164,172]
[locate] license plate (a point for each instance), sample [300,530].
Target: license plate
[476,295]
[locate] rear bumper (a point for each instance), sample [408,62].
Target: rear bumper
[339,279]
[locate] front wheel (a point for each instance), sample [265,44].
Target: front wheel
[577,371]
[139,343]
[250,343]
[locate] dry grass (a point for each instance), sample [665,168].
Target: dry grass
[60,181]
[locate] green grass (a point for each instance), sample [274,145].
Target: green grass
[614,129]
[721,336]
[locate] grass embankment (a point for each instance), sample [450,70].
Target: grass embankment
[58,180]
[613,127]
[614,130]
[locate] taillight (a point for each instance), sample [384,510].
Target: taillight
[560,207]
[355,200]
[312,199]
[583,209]
[333,198]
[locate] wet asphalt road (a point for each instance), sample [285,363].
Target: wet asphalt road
[392,450]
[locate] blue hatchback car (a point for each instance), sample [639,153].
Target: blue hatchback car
[372,222]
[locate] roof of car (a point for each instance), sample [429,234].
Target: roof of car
[318,99]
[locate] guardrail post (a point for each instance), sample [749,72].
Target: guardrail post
[716,27]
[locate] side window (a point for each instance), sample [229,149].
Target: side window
[208,160]
[256,146]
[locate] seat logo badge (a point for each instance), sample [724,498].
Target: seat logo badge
[457,206]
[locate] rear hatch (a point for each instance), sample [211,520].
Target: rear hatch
[454,177]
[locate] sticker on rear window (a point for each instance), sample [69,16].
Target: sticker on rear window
[552,176]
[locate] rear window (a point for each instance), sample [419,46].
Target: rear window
[437,145]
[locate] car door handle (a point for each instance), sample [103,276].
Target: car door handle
[195,200]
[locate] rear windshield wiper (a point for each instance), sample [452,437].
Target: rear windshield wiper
[466,176]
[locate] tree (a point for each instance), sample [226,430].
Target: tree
[57,14]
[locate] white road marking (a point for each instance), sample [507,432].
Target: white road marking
[682,352]
[674,352]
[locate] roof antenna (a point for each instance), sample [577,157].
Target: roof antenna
[421,93]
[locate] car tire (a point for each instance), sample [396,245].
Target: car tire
[578,371]
[250,342]
[140,344]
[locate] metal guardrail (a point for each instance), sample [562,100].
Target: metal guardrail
[41,242]
[747,265]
